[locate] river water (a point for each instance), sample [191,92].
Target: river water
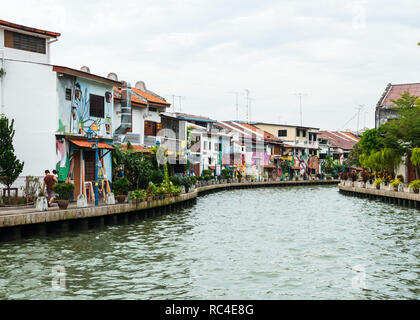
[305,242]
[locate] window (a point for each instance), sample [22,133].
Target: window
[205,145]
[96,106]
[209,145]
[24,42]
[68,94]
[151,128]
[298,132]
[152,109]
[282,133]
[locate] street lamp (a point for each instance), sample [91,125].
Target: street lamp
[93,137]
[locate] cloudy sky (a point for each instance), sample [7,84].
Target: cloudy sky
[340,54]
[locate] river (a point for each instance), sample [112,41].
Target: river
[306,242]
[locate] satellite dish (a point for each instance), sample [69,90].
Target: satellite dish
[112,76]
[85,69]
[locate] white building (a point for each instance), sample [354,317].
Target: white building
[146,107]
[28,94]
[53,108]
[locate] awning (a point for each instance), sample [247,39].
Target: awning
[88,144]
[270,166]
[296,168]
[212,167]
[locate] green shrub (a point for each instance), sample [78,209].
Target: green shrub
[378,181]
[64,190]
[415,184]
[121,186]
[138,194]
[176,181]
[207,172]
[395,183]
[157,176]
[177,190]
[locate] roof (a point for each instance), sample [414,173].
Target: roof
[141,98]
[151,98]
[394,91]
[193,117]
[134,99]
[282,125]
[29,29]
[88,144]
[270,166]
[339,139]
[87,75]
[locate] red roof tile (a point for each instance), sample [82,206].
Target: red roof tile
[29,29]
[339,139]
[394,91]
[88,144]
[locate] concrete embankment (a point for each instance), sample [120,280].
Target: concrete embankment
[15,224]
[411,200]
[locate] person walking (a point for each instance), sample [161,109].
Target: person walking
[49,181]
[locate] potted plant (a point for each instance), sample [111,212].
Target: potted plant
[395,183]
[415,185]
[378,182]
[177,190]
[120,188]
[187,183]
[149,191]
[137,196]
[63,191]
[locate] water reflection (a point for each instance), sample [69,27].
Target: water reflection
[271,243]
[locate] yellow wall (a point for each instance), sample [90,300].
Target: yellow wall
[274,130]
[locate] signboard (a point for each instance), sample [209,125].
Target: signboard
[133,138]
[217,169]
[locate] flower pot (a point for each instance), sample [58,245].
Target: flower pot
[121,198]
[378,186]
[416,190]
[63,204]
[396,188]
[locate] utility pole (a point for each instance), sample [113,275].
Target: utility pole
[300,95]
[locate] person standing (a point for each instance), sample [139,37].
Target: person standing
[49,181]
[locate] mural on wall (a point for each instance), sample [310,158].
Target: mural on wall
[81,119]
[63,160]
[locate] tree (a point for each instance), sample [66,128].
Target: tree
[10,166]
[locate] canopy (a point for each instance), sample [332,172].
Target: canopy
[88,144]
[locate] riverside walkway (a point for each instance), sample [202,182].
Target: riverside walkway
[403,198]
[17,222]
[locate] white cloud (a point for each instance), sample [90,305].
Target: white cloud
[204,49]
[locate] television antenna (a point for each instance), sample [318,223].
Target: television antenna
[300,95]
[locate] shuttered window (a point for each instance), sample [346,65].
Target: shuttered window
[24,42]
[96,106]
